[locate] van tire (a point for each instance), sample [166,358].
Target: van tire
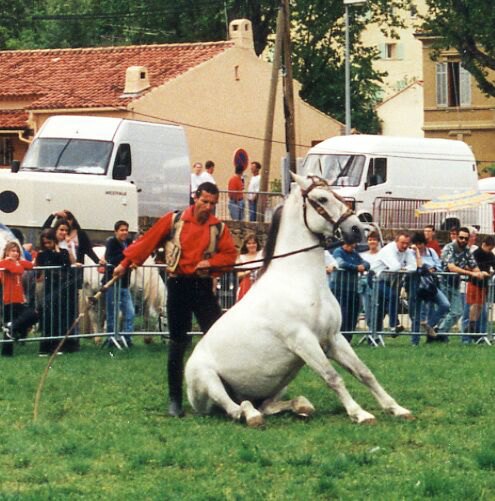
[365,217]
[450,222]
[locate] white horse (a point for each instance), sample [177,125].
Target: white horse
[289,318]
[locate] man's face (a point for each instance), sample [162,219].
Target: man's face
[122,233]
[428,234]
[403,243]
[254,169]
[487,248]
[197,167]
[204,205]
[462,239]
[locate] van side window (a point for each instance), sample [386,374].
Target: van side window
[123,159]
[377,171]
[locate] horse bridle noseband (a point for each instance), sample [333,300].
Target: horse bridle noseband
[319,182]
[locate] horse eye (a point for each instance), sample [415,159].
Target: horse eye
[323,200]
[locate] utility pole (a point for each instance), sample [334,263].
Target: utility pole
[290,131]
[267,147]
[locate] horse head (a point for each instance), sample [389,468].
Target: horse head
[325,212]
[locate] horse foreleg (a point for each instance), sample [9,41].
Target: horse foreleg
[300,406]
[306,346]
[342,352]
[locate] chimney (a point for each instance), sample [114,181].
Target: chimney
[241,33]
[136,79]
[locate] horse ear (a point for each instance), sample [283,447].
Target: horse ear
[300,180]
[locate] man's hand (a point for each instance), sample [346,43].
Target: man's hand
[203,268]
[119,271]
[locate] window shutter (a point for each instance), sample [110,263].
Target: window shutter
[383,53]
[400,51]
[441,73]
[465,86]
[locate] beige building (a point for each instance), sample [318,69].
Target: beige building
[218,91]
[454,106]
[401,114]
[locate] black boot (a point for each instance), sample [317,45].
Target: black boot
[175,369]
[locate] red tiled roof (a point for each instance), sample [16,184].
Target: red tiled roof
[13,119]
[94,77]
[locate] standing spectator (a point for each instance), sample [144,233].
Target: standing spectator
[118,297]
[427,261]
[431,241]
[476,290]
[54,318]
[78,244]
[17,317]
[196,241]
[366,282]
[254,189]
[208,174]
[236,194]
[473,236]
[458,259]
[197,177]
[393,258]
[453,232]
[250,251]
[345,285]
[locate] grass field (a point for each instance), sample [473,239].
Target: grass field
[103,433]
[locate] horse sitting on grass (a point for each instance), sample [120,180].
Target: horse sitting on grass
[289,318]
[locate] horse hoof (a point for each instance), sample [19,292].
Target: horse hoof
[302,407]
[148,339]
[255,421]
[407,417]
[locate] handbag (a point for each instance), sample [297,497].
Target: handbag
[427,287]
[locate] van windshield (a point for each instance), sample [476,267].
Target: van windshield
[79,156]
[340,170]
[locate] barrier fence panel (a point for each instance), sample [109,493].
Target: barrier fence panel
[374,307]
[245,212]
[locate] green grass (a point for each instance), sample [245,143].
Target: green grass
[103,433]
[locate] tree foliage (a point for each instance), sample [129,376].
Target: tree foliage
[469,27]
[317,27]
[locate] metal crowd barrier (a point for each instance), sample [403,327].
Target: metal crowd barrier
[271,201]
[373,307]
[59,297]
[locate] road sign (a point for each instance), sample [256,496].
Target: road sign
[241,158]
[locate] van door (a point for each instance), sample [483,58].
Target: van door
[376,184]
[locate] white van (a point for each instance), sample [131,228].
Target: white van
[101,169]
[368,170]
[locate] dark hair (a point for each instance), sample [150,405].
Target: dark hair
[418,238]
[430,226]
[209,164]
[120,223]
[74,224]
[247,238]
[61,222]
[48,234]
[239,169]
[374,235]
[257,164]
[464,229]
[489,240]
[210,188]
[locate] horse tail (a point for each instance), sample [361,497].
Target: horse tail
[269,250]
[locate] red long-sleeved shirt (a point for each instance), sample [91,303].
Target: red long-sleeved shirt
[194,241]
[236,188]
[13,291]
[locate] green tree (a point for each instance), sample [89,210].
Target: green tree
[469,27]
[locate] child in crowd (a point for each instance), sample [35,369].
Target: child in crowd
[17,317]
[56,285]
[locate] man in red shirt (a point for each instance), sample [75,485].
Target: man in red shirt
[431,241]
[189,282]
[236,196]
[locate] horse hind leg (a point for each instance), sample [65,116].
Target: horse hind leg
[300,406]
[342,352]
[206,390]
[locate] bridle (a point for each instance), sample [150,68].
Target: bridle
[315,183]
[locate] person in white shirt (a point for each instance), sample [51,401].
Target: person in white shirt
[197,178]
[209,169]
[253,189]
[394,257]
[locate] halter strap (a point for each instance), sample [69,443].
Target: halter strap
[319,182]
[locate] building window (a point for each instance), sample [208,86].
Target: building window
[453,85]
[391,51]
[6,151]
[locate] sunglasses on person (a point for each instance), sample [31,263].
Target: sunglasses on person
[463,238]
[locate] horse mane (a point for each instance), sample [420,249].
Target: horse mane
[269,250]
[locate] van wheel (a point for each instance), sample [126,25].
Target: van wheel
[365,217]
